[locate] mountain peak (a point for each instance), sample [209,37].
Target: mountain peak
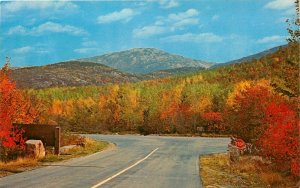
[142,49]
[145,60]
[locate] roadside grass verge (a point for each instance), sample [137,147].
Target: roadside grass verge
[18,165]
[216,172]
[91,146]
[25,164]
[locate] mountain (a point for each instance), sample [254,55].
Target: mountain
[71,73]
[172,72]
[174,104]
[251,57]
[140,63]
[145,60]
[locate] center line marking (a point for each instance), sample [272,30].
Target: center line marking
[122,171]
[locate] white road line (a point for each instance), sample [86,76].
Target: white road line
[121,172]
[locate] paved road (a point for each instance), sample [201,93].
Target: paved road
[136,162]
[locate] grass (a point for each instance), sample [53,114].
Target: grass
[216,171]
[24,164]
[18,165]
[91,147]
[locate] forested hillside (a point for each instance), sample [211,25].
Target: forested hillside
[70,73]
[171,105]
[250,57]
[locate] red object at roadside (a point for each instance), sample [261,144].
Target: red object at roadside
[239,143]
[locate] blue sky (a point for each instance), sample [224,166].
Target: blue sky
[43,32]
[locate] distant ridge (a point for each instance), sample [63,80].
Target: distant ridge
[70,73]
[145,60]
[251,57]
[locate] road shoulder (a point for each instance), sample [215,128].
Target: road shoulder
[28,164]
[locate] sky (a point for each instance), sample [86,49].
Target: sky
[43,32]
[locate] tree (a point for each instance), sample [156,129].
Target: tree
[293,25]
[15,107]
[114,109]
[213,121]
[245,106]
[9,103]
[280,142]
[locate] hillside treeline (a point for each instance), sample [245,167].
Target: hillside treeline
[171,105]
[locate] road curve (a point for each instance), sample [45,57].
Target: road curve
[136,162]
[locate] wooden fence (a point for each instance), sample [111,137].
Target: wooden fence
[48,134]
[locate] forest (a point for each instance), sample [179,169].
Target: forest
[176,104]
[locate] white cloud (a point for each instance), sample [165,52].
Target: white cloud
[215,17]
[166,4]
[17,30]
[183,15]
[89,43]
[185,22]
[23,50]
[42,51]
[48,27]
[290,11]
[58,28]
[182,19]
[272,39]
[85,50]
[125,14]
[15,6]
[159,22]
[87,47]
[191,37]
[280,4]
[148,31]
[172,22]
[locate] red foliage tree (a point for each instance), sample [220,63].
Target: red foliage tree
[244,114]
[214,121]
[13,108]
[280,142]
[8,105]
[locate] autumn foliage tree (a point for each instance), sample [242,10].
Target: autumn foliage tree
[280,142]
[13,109]
[244,113]
[213,121]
